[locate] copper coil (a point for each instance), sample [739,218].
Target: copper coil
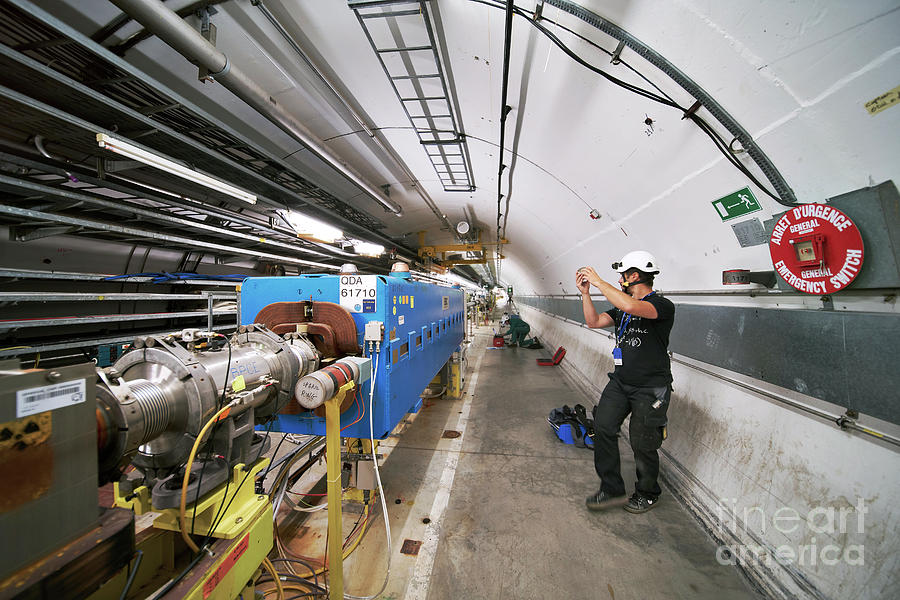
[321,335]
[331,326]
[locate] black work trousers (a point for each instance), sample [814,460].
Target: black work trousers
[647,406]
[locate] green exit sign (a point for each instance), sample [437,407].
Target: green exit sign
[737,204]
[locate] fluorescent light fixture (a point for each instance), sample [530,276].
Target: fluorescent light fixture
[367,249]
[169,166]
[447,279]
[308,227]
[453,278]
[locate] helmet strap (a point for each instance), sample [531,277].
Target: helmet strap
[627,284]
[638,282]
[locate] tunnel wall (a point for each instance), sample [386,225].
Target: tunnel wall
[840,357]
[767,483]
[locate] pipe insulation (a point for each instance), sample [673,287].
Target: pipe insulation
[188,42]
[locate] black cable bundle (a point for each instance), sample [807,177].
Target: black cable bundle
[661,97]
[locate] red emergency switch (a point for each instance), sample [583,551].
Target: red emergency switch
[816,249]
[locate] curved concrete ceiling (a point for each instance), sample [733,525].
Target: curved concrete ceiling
[795,76]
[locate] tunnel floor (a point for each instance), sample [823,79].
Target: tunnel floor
[498,512]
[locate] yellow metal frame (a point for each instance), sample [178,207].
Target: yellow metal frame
[226,579]
[228,585]
[479,246]
[248,515]
[246,504]
[333,474]
[454,384]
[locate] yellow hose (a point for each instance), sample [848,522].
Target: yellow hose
[37,359]
[290,587]
[187,475]
[271,569]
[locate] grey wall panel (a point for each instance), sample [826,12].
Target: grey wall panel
[568,308]
[872,362]
[876,212]
[849,359]
[799,350]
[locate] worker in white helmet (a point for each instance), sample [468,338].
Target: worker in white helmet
[640,384]
[517,328]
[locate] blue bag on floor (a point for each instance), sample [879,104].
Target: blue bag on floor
[569,433]
[572,427]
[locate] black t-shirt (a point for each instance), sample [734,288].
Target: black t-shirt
[644,344]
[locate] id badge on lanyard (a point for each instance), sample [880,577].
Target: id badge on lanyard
[620,335]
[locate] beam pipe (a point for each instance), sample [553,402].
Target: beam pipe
[183,38]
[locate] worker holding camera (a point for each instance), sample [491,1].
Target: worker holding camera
[640,384]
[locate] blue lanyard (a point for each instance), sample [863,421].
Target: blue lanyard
[623,328]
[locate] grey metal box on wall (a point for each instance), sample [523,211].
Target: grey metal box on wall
[876,213]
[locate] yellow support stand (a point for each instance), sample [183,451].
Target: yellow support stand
[333,460]
[244,505]
[454,383]
[224,576]
[245,529]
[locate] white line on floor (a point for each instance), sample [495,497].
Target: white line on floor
[421,578]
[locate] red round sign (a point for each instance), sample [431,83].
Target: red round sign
[816,249]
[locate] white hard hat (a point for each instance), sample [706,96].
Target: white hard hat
[640,260]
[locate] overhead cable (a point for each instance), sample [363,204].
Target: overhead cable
[660,97]
[504,110]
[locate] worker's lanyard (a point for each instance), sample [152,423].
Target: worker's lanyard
[623,328]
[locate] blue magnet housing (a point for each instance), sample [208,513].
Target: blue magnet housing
[424,324]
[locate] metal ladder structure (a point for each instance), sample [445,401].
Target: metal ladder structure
[401,34]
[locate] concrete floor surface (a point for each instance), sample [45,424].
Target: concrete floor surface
[509,521]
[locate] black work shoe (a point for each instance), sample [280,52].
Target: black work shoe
[601,501]
[639,503]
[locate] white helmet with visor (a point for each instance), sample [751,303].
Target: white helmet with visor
[640,260]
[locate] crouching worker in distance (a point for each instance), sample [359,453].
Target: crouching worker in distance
[640,384]
[517,329]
